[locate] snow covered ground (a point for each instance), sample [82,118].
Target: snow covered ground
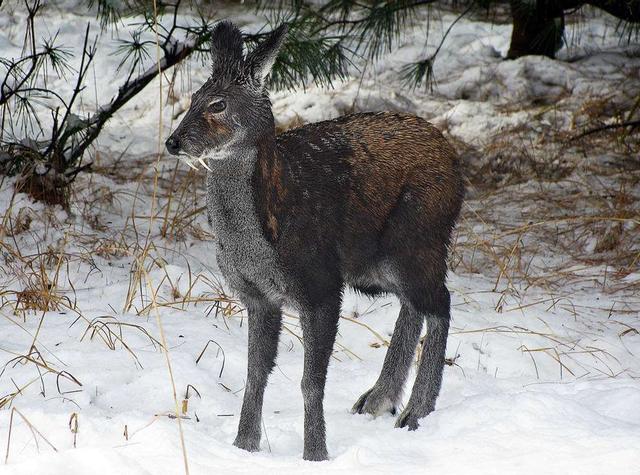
[544,349]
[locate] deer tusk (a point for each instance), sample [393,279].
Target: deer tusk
[204,164]
[188,162]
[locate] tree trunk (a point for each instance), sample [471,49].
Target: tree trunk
[538,25]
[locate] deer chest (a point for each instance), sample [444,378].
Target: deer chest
[247,260]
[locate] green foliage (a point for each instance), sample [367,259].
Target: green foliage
[380,24]
[348,29]
[108,12]
[305,55]
[419,73]
[133,53]
[20,85]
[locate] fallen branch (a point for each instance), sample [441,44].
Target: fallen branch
[631,123]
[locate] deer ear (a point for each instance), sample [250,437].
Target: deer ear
[261,59]
[226,47]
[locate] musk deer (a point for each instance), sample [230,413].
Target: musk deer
[366,200]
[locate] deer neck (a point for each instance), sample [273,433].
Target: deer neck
[235,204]
[235,184]
[229,193]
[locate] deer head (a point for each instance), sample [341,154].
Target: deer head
[232,107]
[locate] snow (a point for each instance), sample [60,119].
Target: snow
[544,378]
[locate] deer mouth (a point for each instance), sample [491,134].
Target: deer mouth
[215,154]
[190,160]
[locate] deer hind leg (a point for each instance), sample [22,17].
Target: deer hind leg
[386,393]
[429,379]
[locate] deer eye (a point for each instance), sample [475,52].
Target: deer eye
[217,106]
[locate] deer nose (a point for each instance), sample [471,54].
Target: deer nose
[173,145]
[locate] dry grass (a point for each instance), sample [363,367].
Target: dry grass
[582,228]
[43,256]
[34,432]
[550,228]
[547,216]
[542,214]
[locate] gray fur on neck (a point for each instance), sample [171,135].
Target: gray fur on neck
[245,257]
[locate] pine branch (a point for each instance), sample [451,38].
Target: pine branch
[108,14]
[88,53]
[93,126]
[422,71]
[7,91]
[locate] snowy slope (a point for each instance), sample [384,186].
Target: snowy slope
[544,374]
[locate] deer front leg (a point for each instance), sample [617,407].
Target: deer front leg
[319,327]
[264,330]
